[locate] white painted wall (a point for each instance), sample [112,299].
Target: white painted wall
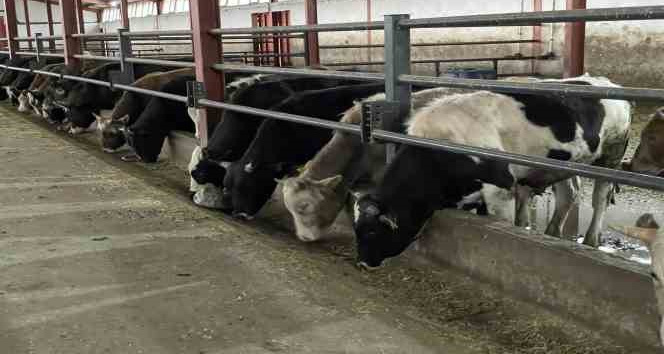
[37,11]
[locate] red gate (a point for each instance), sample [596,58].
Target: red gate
[272,48]
[3,33]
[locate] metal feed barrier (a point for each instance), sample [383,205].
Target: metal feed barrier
[398,82]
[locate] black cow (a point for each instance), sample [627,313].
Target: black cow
[280,146]
[234,133]
[419,181]
[8,76]
[161,116]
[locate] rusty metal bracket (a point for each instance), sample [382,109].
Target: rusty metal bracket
[377,115]
[195,91]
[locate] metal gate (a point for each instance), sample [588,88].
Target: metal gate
[272,49]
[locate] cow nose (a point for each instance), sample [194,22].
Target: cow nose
[243,216]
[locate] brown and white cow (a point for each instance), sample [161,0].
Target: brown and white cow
[649,156]
[646,230]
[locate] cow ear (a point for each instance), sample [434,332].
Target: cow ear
[124,119]
[332,182]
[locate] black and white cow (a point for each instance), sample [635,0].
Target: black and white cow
[31,98]
[161,116]
[280,146]
[234,133]
[83,98]
[419,181]
[8,76]
[130,106]
[316,197]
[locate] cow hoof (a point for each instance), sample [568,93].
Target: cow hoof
[365,267]
[130,158]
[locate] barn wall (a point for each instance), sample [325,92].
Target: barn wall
[623,51]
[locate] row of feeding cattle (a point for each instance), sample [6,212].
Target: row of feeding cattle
[249,155]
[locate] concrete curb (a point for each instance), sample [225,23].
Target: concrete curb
[603,291]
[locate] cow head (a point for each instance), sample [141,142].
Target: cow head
[112,137]
[209,171]
[35,99]
[250,185]
[646,230]
[146,145]
[313,204]
[649,156]
[23,101]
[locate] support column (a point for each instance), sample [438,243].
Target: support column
[79,15]
[49,19]
[575,39]
[208,50]
[536,48]
[10,26]
[72,44]
[311,38]
[397,62]
[28,30]
[124,14]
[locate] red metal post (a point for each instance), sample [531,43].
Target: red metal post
[537,36]
[79,15]
[124,13]
[208,50]
[28,31]
[72,44]
[311,17]
[99,16]
[575,39]
[49,19]
[10,25]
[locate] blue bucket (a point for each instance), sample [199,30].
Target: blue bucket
[472,73]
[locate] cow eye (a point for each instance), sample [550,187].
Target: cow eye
[654,276]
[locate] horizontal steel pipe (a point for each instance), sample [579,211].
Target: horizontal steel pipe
[434,61]
[536,18]
[442,44]
[349,26]
[157,33]
[153,93]
[47,73]
[315,122]
[618,93]
[88,80]
[330,74]
[96,57]
[94,35]
[607,174]
[175,64]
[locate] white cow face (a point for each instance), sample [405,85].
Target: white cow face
[314,205]
[646,230]
[23,102]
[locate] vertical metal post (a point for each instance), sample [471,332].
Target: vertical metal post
[125,52]
[124,14]
[28,30]
[369,33]
[397,62]
[208,50]
[72,44]
[10,26]
[49,19]
[312,49]
[575,37]
[79,15]
[536,48]
[39,46]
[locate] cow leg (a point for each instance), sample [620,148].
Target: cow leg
[523,194]
[499,202]
[566,194]
[601,196]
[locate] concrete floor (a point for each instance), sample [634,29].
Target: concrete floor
[101,256]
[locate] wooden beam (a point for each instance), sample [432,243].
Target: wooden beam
[311,18]
[79,15]
[10,26]
[575,40]
[72,44]
[207,51]
[124,14]
[28,31]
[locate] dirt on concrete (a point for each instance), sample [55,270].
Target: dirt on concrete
[103,256]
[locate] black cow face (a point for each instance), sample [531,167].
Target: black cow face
[146,145]
[112,137]
[208,171]
[380,233]
[251,185]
